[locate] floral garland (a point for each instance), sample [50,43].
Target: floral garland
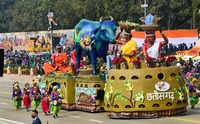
[118,60]
[86,42]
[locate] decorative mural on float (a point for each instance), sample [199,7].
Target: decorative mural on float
[33,41]
[86,96]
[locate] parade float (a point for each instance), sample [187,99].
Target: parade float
[139,89]
[66,83]
[153,89]
[145,92]
[84,93]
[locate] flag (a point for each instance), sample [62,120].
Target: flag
[175,37]
[51,20]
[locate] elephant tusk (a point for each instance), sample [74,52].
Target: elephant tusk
[101,19]
[111,18]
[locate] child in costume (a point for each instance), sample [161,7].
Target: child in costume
[56,101]
[35,93]
[27,99]
[45,102]
[17,96]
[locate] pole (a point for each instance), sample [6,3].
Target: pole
[52,40]
[145,9]
[50,16]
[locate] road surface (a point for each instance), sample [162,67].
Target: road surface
[8,114]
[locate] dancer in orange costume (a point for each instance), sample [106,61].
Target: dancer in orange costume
[59,62]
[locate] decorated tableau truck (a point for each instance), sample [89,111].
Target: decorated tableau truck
[146,88]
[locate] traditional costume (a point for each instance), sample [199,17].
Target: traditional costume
[194,98]
[56,100]
[151,50]
[36,95]
[129,48]
[45,102]
[17,96]
[59,60]
[27,99]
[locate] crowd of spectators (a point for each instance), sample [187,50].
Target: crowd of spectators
[24,59]
[172,49]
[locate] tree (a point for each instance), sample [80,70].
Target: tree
[31,15]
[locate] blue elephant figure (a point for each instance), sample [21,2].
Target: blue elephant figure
[93,36]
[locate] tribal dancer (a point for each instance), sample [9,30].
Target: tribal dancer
[45,102]
[194,98]
[17,96]
[27,99]
[36,95]
[56,100]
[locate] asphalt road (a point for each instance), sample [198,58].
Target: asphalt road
[8,114]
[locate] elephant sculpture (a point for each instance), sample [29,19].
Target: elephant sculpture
[93,36]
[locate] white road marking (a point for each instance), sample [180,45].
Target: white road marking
[11,121]
[3,122]
[98,121]
[3,103]
[75,116]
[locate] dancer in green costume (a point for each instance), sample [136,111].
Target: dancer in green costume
[56,102]
[194,98]
[17,96]
[36,95]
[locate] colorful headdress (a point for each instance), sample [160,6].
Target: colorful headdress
[16,85]
[34,82]
[194,79]
[55,88]
[16,82]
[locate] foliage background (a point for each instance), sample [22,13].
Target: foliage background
[31,15]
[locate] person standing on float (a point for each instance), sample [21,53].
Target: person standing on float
[129,50]
[151,48]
